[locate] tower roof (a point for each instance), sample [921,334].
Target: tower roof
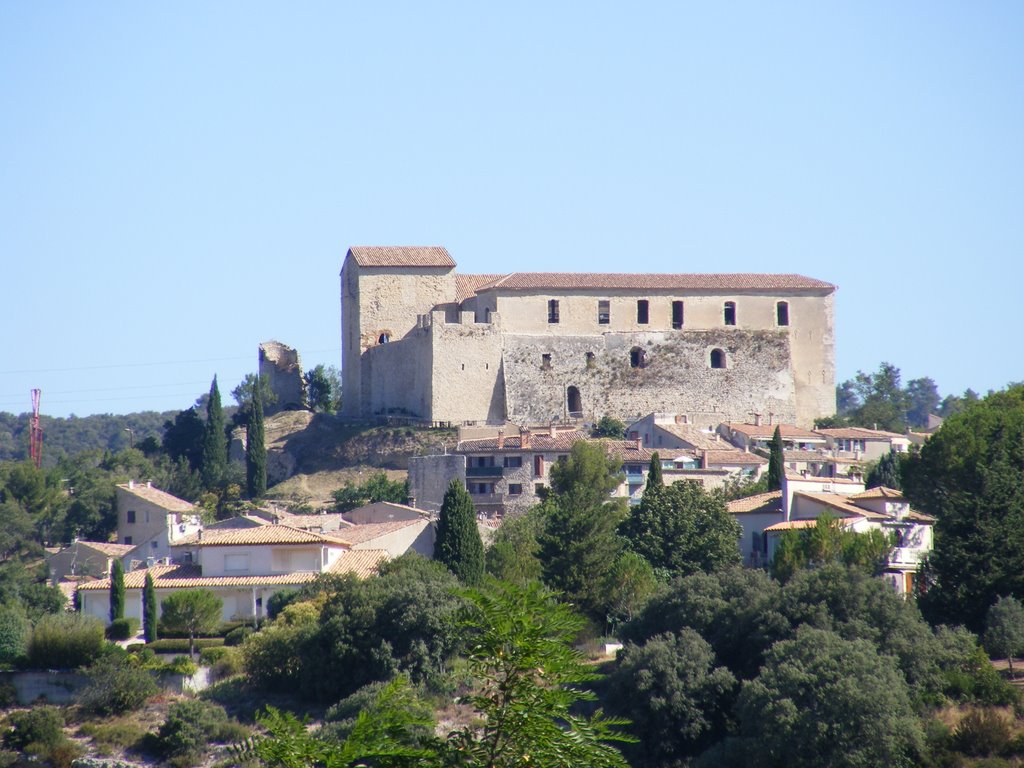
[401,256]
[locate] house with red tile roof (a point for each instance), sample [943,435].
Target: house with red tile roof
[421,341]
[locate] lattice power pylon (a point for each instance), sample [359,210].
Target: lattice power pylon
[35,440]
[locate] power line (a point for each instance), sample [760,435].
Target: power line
[110,366]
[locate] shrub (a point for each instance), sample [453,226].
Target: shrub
[174,645]
[237,636]
[191,725]
[116,685]
[43,726]
[182,665]
[119,734]
[13,635]
[982,733]
[222,660]
[122,629]
[65,641]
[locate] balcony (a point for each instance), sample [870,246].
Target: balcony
[486,499]
[906,556]
[484,471]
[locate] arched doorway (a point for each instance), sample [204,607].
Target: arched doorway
[574,401]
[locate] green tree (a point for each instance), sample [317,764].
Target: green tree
[512,555]
[14,629]
[970,476]
[527,679]
[116,685]
[922,400]
[183,438]
[875,400]
[458,544]
[323,389]
[251,386]
[193,611]
[579,543]
[609,426]
[823,700]
[674,693]
[654,472]
[683,529]
[776,461]
[215,446]
[375,488]
[828,541]
[255,450]
[1004,629]
[885,472]
[116,590]
[149,610]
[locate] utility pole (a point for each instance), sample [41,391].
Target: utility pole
[35,440]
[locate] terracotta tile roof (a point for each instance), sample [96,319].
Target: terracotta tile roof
[401,256]
[733,457]
[466,285]
[880,492]
[361,562]
[839,503]
[158,497]
[770,501]
[859,433]
[539,441]
[767,431]
[796,477]
[795,525]
[360,534]
[798,455]
[695,436]
[569,281]
[107,548]
[264,534]
[626,450]
[310,522]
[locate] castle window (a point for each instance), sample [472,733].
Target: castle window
[717,358]
[604,312]
[553,311]
[782,313]
[515,489]
[642,311]
[590,359]
[545,361]
[730,313]
[574,401]
[383,338]
[677,315]
[637,358]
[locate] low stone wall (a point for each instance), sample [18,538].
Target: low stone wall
[52,686]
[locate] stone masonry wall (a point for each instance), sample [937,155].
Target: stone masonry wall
[676,377]
[283,369]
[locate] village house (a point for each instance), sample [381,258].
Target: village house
[152,521]
[89,559]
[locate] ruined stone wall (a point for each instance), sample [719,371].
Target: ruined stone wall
[283,368]
[466,369]
[676,375]
[429,477]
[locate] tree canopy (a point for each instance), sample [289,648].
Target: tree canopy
[458,544]
[215,447]
[193,611]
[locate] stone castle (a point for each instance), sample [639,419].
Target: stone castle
[420,340]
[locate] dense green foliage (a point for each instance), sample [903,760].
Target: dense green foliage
[192,611]
[512,556]
[14,631]
[116,685]
[323,388]
[116,590]
[214,461]
[122,629]
[1004,629]
[681,529]
[458,544]
[191,725]
[65,641]
[375,488]
[885,472]
[776,461]
[150,614]
[609,426]
[970,475]
[654,472]
[64,437]
[829,542]
[343,633]
[255,450]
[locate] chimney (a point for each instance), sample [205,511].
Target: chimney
[501,439]
[757,419]
[131,483]
[552,430]
[770,417]
[149,483]
[639,443]
[524,438]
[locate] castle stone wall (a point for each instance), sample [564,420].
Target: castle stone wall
[283,369]
[466,373]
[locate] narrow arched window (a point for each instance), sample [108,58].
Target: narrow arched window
[637,358]
[717,358]
[383,338]
[574,402]
[590,359]
[782,313]
[730,313]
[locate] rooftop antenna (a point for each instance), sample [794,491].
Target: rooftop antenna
[35,443]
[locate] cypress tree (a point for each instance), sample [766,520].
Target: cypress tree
[654,473]
[255,449]
[215,444]
[117,591]
[149,616]
[775,461]
[458,543]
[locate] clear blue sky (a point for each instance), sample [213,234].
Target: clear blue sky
[179,182]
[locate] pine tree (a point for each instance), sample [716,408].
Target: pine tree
[458,543]
[654,473]
[255,450]
[117,591]
[215,447]
[776,461]
[149,615]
